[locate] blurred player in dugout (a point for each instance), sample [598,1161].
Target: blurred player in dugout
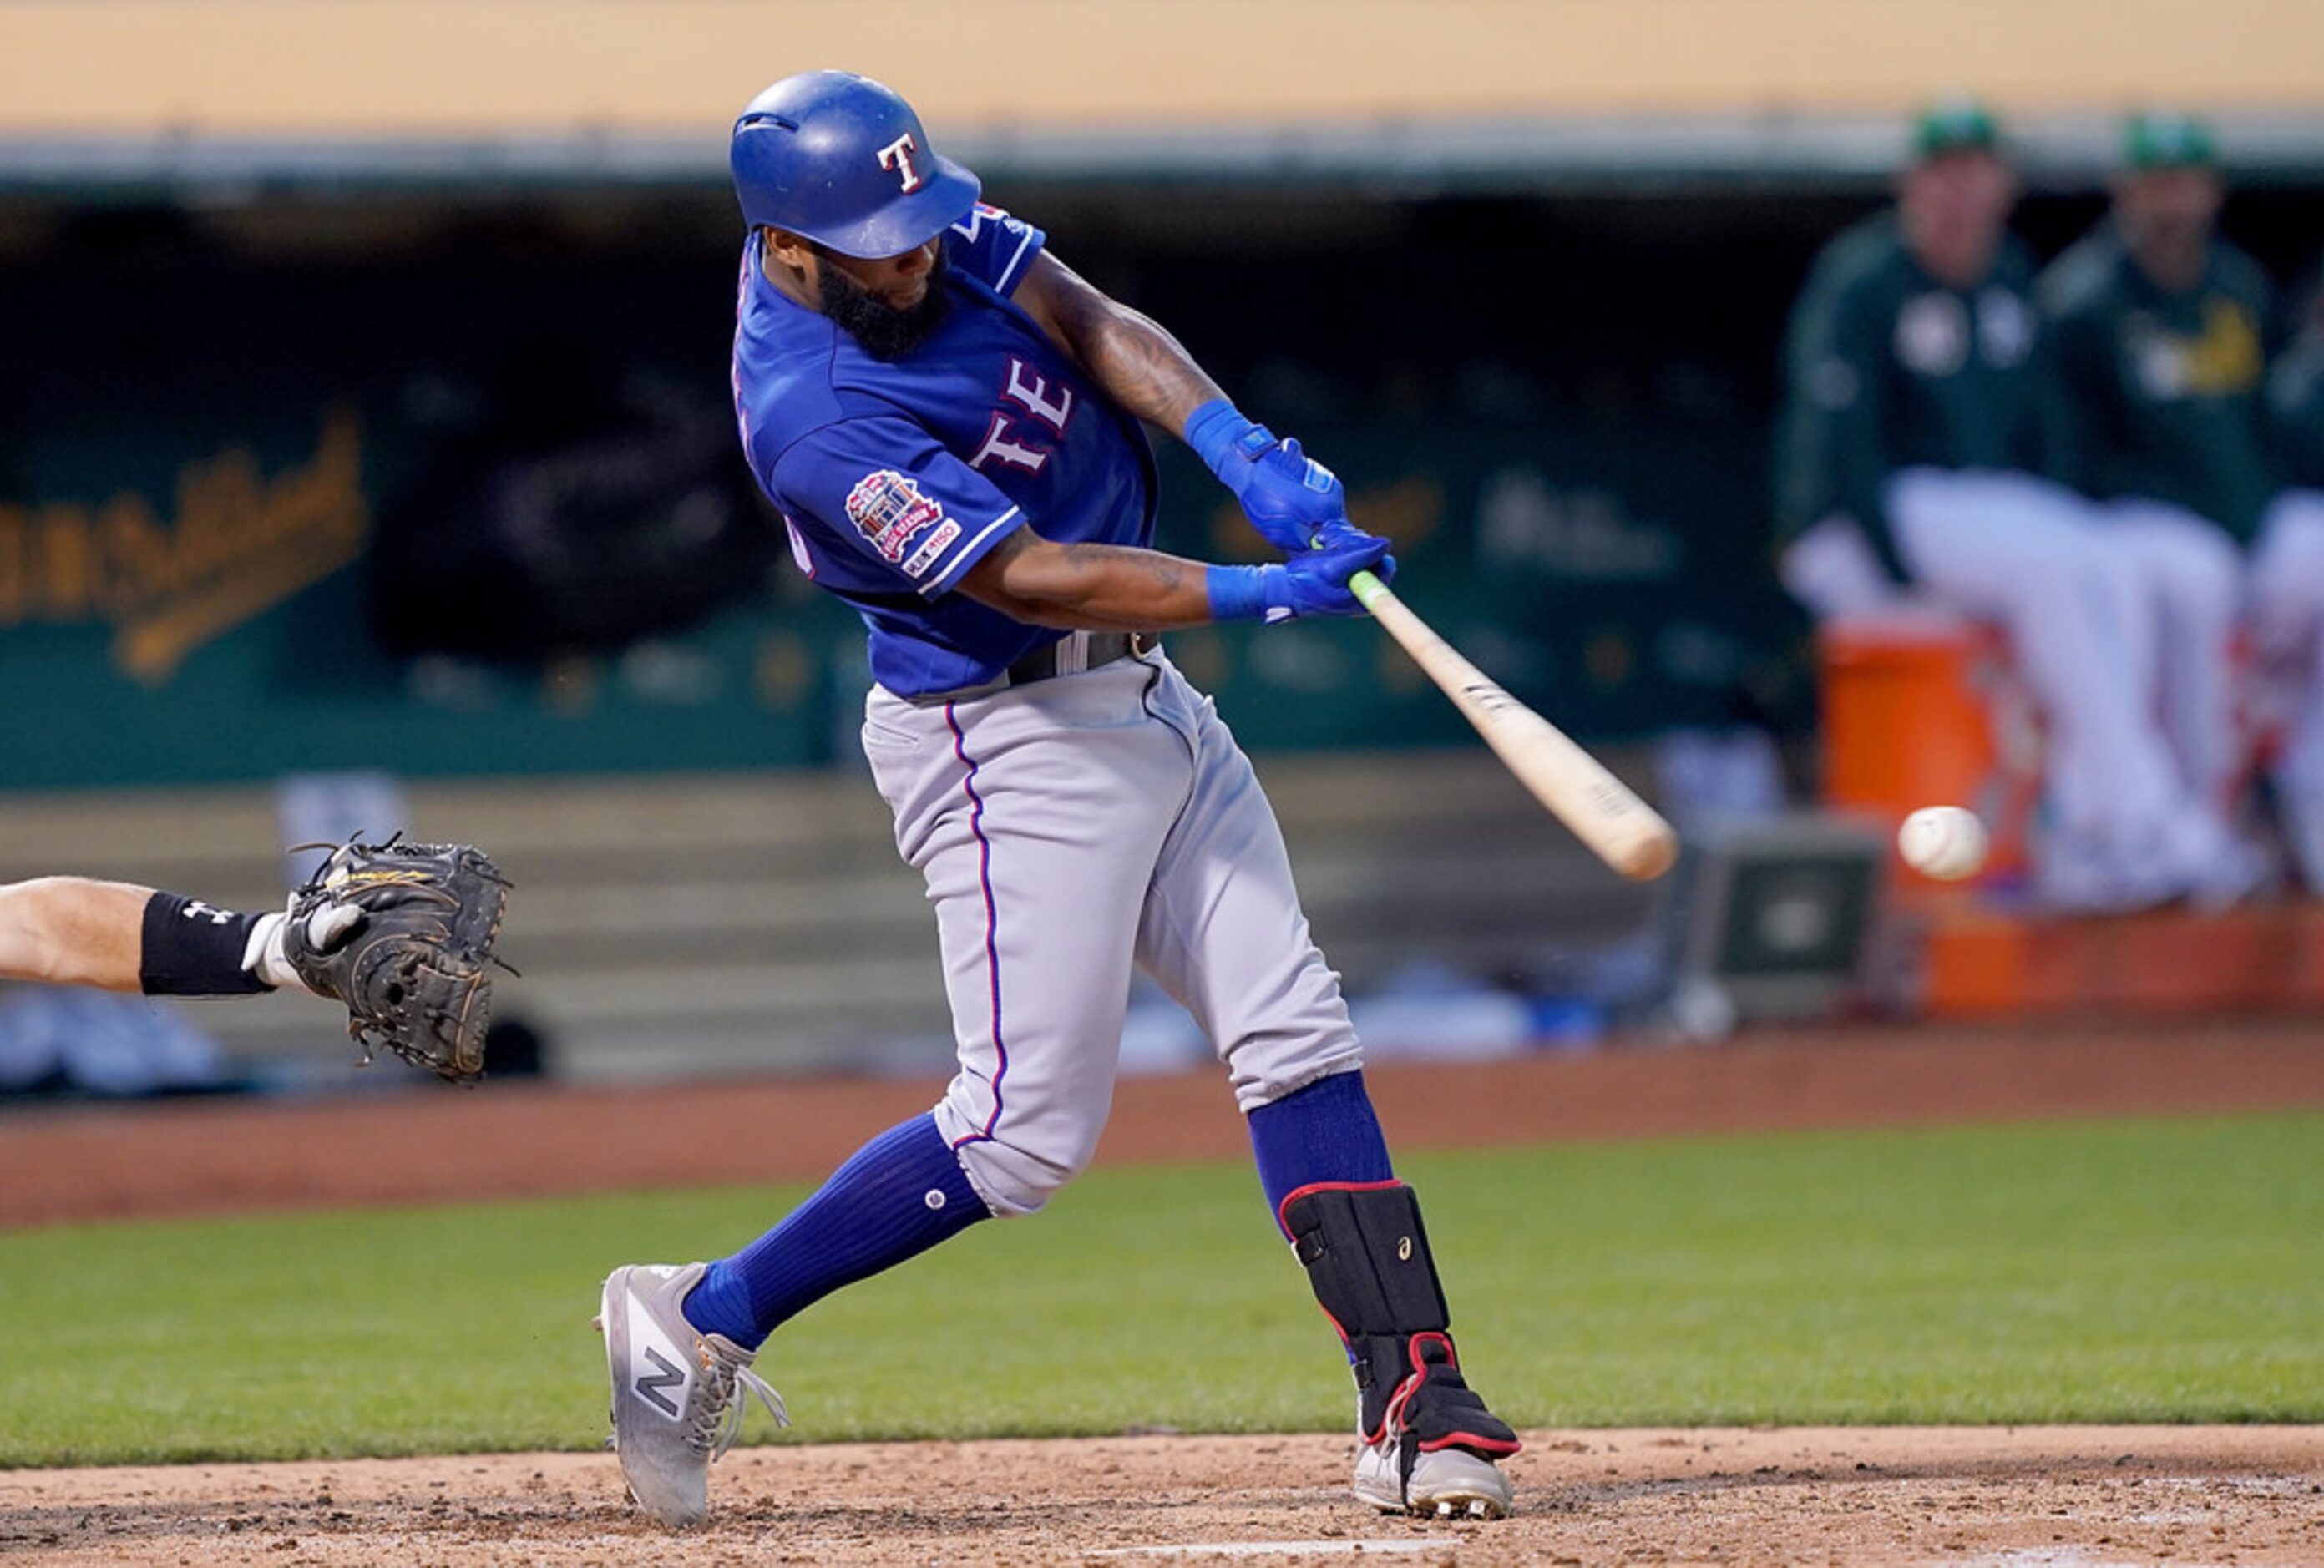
[1921,458]
[2287,590]
[2161,329]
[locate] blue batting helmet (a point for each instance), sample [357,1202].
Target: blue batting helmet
[842,161]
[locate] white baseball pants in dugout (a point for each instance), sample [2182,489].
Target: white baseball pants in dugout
[2190,574]
[2035,559]
[2287,619]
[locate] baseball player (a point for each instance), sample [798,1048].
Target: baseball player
[948,418]
[118,937]
[1919,420]
[2159,327]
[2287,588]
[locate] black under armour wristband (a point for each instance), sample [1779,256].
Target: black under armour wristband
[194,949]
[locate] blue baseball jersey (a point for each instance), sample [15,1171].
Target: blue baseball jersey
[895,478]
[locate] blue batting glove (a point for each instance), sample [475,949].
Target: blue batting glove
[1340,534]
[1312,583]
[1287,494]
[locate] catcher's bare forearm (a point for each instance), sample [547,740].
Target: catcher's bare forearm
[73,931]
[1129,355]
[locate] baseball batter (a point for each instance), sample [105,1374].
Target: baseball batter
[2159,326]
[948,418]
[1921,418]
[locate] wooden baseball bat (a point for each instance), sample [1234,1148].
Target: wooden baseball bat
[1619,828]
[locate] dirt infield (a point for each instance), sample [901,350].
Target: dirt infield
[2079,1495]
[2072,1495]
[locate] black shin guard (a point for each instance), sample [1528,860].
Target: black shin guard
[1366,1255]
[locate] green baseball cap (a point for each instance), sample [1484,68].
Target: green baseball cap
[2167,142]
[1954,125]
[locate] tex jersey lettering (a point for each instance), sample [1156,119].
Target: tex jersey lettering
[896,478]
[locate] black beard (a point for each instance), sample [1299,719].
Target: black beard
[884,332]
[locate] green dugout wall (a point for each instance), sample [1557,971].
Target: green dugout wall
[250,452]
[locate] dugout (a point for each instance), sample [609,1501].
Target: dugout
[1554,391]
[294,299]
[283,331]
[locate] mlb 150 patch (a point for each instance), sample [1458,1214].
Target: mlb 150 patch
[889,510]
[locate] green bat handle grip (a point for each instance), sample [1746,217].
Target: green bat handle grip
[1367,588]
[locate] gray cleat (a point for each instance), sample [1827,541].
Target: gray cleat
[1431,1452]
[679,1394]
[1447,1483]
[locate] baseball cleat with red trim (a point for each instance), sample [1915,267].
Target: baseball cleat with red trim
[1452,1483]
[1433,1447]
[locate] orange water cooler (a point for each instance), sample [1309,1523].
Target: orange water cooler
[1923,708]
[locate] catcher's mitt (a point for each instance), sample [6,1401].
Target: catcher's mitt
[413,970]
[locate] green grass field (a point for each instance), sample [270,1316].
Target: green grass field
[2126,1271]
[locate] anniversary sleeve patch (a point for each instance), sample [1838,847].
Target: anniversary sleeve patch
[891,514]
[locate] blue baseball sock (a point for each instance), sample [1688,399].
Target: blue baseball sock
[1325,1132]
[896,1197]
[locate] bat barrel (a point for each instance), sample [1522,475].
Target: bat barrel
[1603,813]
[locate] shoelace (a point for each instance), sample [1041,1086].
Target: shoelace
[717,1418]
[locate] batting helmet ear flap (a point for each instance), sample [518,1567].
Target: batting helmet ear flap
[841,160]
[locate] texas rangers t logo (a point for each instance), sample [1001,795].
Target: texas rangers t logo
[898,155]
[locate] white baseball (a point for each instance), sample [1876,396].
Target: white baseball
[1944,842]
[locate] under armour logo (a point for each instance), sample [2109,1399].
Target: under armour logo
[651,1389]
[898,155]
[196,907]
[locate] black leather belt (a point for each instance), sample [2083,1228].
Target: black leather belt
[1076,652]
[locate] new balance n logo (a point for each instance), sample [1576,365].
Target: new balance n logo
[651,1390]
